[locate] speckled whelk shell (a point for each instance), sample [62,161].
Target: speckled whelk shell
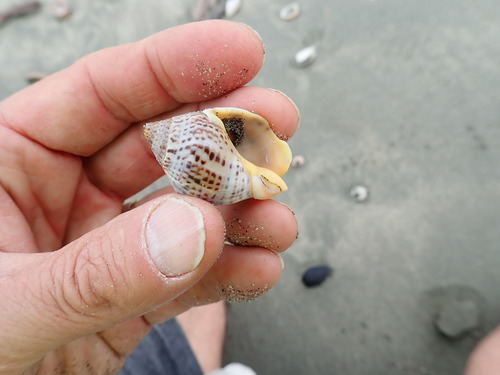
[222,155]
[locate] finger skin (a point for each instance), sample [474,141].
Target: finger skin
[257,223]
[103,278]
[485,359]
[240,274]
[266,224]
[95,99]
[33,192]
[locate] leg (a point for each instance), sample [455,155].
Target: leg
[189,345]
[204,327]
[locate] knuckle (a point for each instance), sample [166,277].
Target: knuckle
[92,280]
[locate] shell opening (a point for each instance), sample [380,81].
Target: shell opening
[235,129]
[254,139]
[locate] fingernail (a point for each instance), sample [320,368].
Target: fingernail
[175,236]
[291,101]
[281,260]
[258,36]
[289,208]
[294,215]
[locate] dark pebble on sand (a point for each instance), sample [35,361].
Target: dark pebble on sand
[316,275]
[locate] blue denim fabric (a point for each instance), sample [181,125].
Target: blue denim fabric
[164,351]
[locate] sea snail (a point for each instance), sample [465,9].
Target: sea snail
[221,155]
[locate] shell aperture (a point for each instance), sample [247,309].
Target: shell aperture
[221,155]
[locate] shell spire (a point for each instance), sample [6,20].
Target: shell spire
[221,155]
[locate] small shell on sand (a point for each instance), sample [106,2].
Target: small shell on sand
[60,9]
[290,12]
[359,193]
[232,7]
[298,161]
[33,77]
[306,56]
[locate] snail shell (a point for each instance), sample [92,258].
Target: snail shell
[221,155]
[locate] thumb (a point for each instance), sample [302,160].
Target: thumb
[137,261]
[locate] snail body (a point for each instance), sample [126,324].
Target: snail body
[221,155]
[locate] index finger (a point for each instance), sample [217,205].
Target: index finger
[84,107]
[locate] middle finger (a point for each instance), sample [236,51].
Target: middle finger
[254,223]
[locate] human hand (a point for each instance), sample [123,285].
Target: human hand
[485,358]
[72,151]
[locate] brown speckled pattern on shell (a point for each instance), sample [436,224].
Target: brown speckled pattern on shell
[202,164]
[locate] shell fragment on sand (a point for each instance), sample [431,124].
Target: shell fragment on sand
[306,56]
[290,11]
